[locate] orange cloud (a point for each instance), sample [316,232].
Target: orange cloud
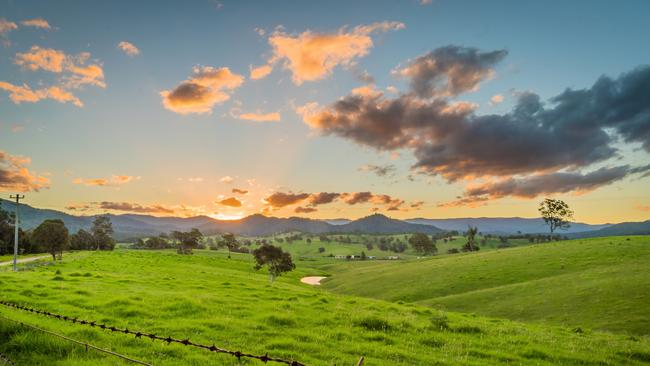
[239,191]
[115,180]
[261,117]
[227,179]
[312,56]
[260,72]
[128,48]
[15,177]
[19,94]
[37,23]
[207,87]
[231,202]
[56,61]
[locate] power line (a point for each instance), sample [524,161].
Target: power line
[87,345]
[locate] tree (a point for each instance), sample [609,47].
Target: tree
[471,246]
[277,260]
[421,243]
[82,240]
[187,240]
[102,231]
[229,241]
[53,235]
[556,214]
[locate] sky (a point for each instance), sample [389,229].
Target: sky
[327,109]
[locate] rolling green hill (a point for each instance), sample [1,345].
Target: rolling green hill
[601,283]
[208,298]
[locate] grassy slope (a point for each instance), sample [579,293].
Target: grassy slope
[212,299]
[599,283]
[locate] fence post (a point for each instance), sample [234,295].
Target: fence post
[360,363]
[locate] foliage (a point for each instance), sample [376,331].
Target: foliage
[187,240]
[82,240]
[229,241]
[102,232]
[471,246]
[556,214]
[277,260]
[53,235]
[422,243]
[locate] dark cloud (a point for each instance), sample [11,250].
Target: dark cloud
[573,130]
[450,70]
[322,198]
[132,207]
[280,199]
[380,170]
[239,191]
[533,186]
[230,201]
[356,197]
[301,209]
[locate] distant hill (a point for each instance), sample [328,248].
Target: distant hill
[624,228]
[503,225]
[131,225]
[380,224]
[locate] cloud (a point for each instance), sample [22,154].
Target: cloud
[195,179]
[260,72]
[77,71]
[545,184]
[113,181]
[312,56]
[280,199]
[227,179]
[645,208]
[37,23]
[231,201]
[450,70]
[128,48]
[381,171]
[496,99]
[322,198]
[16,177]
[301,209]
[207,86]
[132,207]
[260,117]
[573,130]
[239,191]
[25,94]
[6,27]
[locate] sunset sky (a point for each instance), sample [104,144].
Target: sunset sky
[327,109]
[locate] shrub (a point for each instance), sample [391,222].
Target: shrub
[374,323]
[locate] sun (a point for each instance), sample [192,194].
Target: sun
[225,216]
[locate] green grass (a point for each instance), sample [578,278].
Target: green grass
[208,298]
[601,283]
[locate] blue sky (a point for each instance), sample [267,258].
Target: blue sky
[178,161]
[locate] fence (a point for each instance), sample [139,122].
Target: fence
[144,335]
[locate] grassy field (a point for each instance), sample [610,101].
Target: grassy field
[208,298]
[336,246]
[601,283]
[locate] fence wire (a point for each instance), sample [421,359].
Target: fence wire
[140,335]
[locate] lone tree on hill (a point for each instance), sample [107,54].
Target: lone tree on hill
[421,243]
[102,232]
[53,236]
[229,241]
[187,240]
[277,260]
[471,246]
[556,214]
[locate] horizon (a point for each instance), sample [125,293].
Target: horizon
[410,109]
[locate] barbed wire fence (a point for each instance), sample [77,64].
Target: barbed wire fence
[4,360]
[152,336]
[85,344]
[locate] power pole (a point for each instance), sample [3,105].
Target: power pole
[17,197]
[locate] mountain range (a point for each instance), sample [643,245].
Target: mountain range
[136,225]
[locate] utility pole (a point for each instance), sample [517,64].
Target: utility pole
[17,197]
